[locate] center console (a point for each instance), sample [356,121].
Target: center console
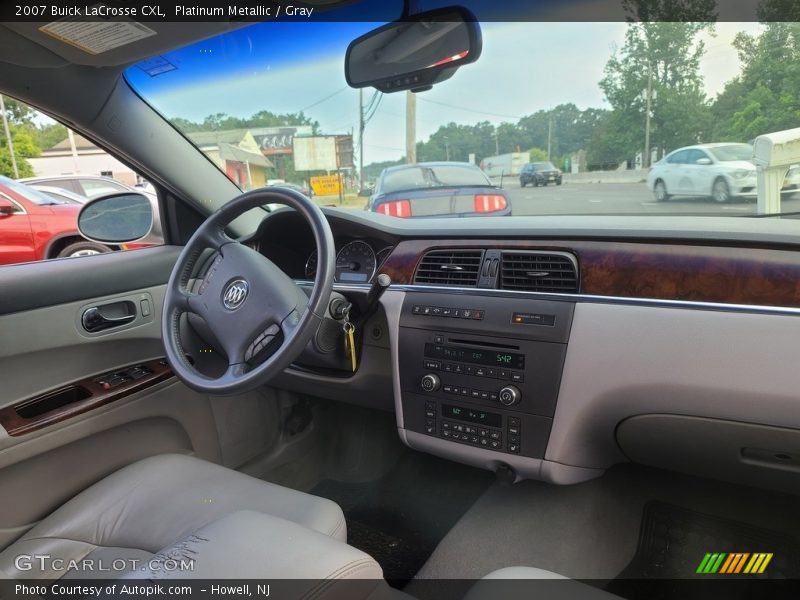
[482,372]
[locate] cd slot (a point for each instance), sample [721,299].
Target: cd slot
[482,344]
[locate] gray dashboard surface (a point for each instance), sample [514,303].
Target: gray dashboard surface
[733,230]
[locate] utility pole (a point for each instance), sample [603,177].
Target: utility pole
[549,134]
[74,150]
[446,149]
[360,139]
[8,138]
[411,127]
[496,143]
[646,157]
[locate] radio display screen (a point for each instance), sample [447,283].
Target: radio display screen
[509,360]
[472,415]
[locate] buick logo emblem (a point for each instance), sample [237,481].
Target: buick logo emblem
[235,294]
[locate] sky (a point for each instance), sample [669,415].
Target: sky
[288,67]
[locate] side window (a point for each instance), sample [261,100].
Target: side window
[92,188]
[54,169]
[679,158]
[696,155]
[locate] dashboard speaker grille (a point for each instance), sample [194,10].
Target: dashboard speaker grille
[450,267]
[539,272]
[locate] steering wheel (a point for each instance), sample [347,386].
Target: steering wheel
[247,302]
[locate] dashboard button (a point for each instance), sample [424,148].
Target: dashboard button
[517,376]
[432,365]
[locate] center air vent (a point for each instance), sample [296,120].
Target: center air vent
[450,267]
[539,272]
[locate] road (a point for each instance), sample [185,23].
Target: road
[619,198]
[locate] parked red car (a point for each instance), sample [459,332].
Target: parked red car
[34,226]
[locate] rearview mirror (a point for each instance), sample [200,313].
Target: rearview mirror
[116,218]
[414,53]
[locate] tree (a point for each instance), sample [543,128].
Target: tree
[537,154]
[684,11]
[763,98]
[663,57]
[20,122]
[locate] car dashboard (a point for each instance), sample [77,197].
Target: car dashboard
[555,353]
[288,243]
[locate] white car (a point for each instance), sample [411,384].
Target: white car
[721,171]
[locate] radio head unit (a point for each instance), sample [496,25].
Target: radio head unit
[489,380]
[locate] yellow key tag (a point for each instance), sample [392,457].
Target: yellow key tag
[350,344]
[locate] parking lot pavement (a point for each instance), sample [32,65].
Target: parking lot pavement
[619,198]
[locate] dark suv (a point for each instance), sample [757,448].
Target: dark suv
[539,173]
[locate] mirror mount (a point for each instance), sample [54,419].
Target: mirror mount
[7,208]
[415,52]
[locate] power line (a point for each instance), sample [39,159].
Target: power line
[325,99]
[472,110]
[371,114]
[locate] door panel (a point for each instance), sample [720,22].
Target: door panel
[54,282]
[16,239]
[45,347]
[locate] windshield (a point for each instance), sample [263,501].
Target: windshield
[269,102]
[732,152]
[30,194]
[427,176]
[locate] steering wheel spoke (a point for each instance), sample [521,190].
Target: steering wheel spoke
[215,238]
[183,300]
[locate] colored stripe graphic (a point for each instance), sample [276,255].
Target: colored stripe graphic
[734,563]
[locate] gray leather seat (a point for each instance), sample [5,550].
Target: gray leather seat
[233,525]
[524,583]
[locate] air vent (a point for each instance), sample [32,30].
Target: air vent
[539,272]
[450,267]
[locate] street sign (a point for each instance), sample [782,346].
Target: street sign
[323,152]
[325,185]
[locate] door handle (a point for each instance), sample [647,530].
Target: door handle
[98,318]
